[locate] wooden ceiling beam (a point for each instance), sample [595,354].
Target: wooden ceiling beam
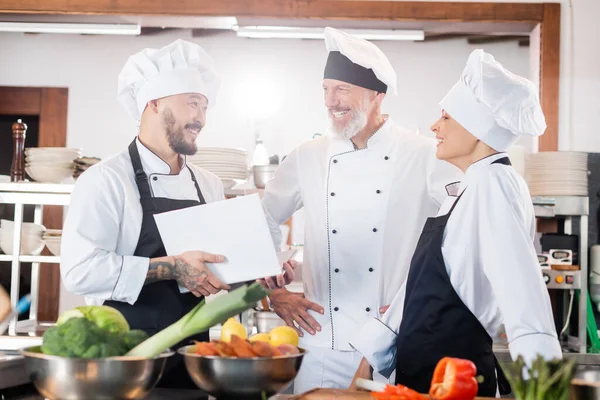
[321,9]
[485,39]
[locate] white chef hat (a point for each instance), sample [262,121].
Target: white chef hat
[358,62]
[180,67]
[493,104]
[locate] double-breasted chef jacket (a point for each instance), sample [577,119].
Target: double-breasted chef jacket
[491,264]
[364,210]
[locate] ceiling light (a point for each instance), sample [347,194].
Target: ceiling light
[284,32]
[89,29]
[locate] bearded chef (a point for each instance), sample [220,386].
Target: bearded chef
[366,191]
[112,252]
[475,265]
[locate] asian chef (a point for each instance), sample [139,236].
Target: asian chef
[366,191]
[112,252]
[475,266]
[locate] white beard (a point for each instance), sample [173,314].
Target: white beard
[357,122]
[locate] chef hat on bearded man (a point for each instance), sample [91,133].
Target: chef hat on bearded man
[493,104]
[180,67]
[358,62]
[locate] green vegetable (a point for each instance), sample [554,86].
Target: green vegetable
[104,317]
[200,319]
[548,380]
[82,338]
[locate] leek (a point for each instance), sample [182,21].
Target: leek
[200,319]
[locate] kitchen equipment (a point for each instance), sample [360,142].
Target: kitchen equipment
[31,237]
[84,379]
[266,320]
[560,257]
[263,174]
[229,164]
[561,279]
[241,377]
[586,385]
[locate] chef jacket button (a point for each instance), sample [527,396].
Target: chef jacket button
[335,161]
[368,309]
[370,269]
[374,229]
[337,270]
[378,191]
[386,158]
[335,309]
[332,193]
[155,178]
[334,231]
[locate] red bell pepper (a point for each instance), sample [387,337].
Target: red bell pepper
[454,379]
[398,392]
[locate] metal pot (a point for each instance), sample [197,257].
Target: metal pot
[266,320]
[263,174]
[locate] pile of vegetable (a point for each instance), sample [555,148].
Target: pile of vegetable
[548,380]
[101,331]
[91,332]
[455,379]
[234,342]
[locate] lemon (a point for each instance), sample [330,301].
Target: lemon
[260,337]
[232,327]
[283,335]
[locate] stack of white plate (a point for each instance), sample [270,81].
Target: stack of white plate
[230,165]
[50,164]
[32,243]
[557,173]
[52,239]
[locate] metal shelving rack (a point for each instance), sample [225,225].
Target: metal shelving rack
[570,207]
[39,195]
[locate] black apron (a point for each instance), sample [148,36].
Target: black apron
[159,304]
[436,323]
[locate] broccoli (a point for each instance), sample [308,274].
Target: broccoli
[79,337]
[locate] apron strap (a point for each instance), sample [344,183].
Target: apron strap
[141,179]
[200,196]
[503,161]
[503,384]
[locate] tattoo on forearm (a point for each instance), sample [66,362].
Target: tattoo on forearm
[191,278]
[186,275]
[159,270]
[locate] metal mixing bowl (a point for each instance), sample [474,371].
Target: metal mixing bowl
[241,377]
[93,379]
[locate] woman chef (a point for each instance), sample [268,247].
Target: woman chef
[111,247]
[475,266]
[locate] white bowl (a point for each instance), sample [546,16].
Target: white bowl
[46,174]
[30,245]
[52,150]
[53,246]
[50,157]
[27,227]
[50,164]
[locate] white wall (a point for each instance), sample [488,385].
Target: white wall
[89,66]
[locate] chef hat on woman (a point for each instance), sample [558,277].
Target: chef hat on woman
[180,67]
[493,104]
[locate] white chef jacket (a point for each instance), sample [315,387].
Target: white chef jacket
[104,221]
[364,210]
[490,258]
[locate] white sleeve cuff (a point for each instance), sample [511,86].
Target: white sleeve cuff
[532,345]
[376,342]
[131,279]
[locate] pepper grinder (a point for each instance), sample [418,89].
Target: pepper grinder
[17,169]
